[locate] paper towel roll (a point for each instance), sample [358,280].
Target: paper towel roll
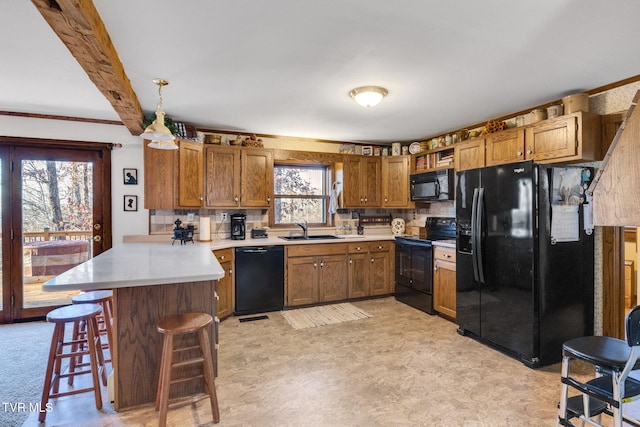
[205,229]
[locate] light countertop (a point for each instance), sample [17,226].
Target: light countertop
[444,243]
[140,264]
[273,241]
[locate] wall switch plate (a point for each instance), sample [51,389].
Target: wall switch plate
[190,217]
[223,216]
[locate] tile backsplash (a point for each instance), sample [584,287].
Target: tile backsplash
[162,221]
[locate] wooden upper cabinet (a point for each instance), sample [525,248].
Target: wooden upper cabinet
[222,176]
[191,174]
[372,180]
[351,185]
[362,181]
[395,182]
[469,154]
[256,187]
[504,147]
[573,137]
[160,171]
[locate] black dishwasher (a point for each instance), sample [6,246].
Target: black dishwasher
[259,279]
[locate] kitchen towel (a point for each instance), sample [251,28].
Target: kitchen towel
[333,198]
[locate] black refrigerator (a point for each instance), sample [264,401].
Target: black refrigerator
[522,287]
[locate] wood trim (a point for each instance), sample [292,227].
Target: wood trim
[79,26]
[46,142]
[613,311]
[306,157]
[63,118]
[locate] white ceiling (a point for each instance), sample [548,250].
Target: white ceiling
[285,67]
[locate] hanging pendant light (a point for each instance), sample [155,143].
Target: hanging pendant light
[160,136]
[368,96]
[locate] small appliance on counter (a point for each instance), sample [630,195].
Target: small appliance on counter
[238,226]
[259,233]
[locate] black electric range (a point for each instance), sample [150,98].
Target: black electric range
[414,263]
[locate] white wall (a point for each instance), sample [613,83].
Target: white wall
[129,156]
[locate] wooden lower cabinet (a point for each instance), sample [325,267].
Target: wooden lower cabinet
[225,293]
[332,278]
[370,269]
[316,273]
[444,281]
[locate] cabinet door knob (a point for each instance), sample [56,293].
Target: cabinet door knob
[222,257]
[519,153]
[380,247]
[529,151]
[235,199]
[447,256]
[315,264]
[350,261]
[321,264]
[358,248]
[372,260]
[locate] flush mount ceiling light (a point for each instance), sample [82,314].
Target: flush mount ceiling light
[368,96]
[160,136]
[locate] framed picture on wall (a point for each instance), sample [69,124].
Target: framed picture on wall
[130,203]
[130,176]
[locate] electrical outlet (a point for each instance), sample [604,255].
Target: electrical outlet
[223,216]
[190,217]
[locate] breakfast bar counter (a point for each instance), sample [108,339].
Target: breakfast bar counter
[149,281]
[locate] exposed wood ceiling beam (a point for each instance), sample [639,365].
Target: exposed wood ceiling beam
[81,29]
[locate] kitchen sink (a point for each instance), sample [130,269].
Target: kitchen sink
[317,237]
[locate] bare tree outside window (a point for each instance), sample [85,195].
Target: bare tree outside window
[300,194]
[57,196]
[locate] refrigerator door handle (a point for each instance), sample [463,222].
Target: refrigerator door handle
[479,220]
[474,232]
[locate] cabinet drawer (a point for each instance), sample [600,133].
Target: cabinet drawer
[316,249]
[223,255]
[358,248]
[382,246]
[444,254]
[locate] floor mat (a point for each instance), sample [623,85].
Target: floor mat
[312,317]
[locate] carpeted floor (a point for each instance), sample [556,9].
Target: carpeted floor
[24,348]
[312,317]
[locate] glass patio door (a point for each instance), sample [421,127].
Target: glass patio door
[56,219]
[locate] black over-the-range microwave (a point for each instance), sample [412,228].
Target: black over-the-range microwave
[432,186]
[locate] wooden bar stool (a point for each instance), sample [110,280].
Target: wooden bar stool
[180,324]
[104,299]
[61,316]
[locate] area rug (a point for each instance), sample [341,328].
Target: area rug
[312,317]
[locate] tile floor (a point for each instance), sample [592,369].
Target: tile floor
[401,367]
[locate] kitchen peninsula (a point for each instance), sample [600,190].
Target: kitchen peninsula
[149,281]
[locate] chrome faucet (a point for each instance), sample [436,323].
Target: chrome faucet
[304,227]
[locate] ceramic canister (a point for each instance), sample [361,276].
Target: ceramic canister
[396,149]
[538,115]
[397,226]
